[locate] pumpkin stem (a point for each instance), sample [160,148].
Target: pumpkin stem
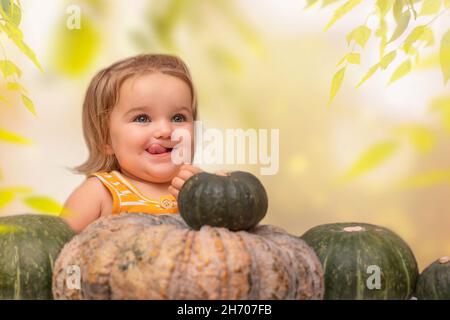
[444,260]
[222,173]
[354,229]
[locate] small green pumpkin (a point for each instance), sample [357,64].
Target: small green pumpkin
[363,261]
[434,282]
[29,245]
[237,201]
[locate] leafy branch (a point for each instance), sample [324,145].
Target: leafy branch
[10,18]
[402,11]
[421,36]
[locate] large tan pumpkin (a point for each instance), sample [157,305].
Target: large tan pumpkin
[140,256]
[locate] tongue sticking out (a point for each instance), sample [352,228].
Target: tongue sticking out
[157,149]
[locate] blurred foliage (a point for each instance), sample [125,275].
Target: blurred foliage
[77,40]
[43,204]
[170,24]
[409,45]
[371,158]
[166,16]
[10,12]
[11,15]
[403,12]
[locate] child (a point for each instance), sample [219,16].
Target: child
[129,113]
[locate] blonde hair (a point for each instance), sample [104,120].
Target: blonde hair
[103,94]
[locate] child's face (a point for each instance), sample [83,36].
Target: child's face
[150,108]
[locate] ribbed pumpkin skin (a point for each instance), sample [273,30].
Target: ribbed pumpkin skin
[434,282]
[346,256]
[141,256]
[236,202]
[29,245]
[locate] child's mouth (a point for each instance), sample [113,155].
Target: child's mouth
[159,150]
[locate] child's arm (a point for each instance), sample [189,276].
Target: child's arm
[85,204]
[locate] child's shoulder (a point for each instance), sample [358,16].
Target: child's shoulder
[92,188]
[86,203]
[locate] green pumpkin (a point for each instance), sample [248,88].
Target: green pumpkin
[363,261]
[434,282]
[29,245]
[237,201]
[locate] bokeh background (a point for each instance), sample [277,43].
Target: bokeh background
[377,154]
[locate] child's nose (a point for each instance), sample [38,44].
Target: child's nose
[163,129]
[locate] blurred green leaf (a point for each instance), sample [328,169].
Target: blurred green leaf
[430,7]
[242,27]
[422,138]
[326,3]
[360,34]
[419,33]
[336,83]
[411,7]
[402,24]
[341,11]
[226,59]
[141,39]
[17,37]
[430,61]
[19,189]
[15,14]
[8,68]
[11,12]
[384,6]
[5,5]
[13,138]
[43,204]
[164,20]
[387,59]
[444,56]
[398,9]
[369,73]
[353,58]
[74,50]
[28,104]
[15,86]
[371,159]
[382,33]
[382,28]
[426,179]
[414,52]
[8,194]
[6,197]
[402,70]
[310,3]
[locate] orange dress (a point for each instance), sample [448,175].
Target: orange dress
[127,198]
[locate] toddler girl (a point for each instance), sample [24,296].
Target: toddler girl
[130,111]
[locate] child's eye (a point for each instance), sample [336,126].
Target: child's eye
[141,118]
[178,118]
